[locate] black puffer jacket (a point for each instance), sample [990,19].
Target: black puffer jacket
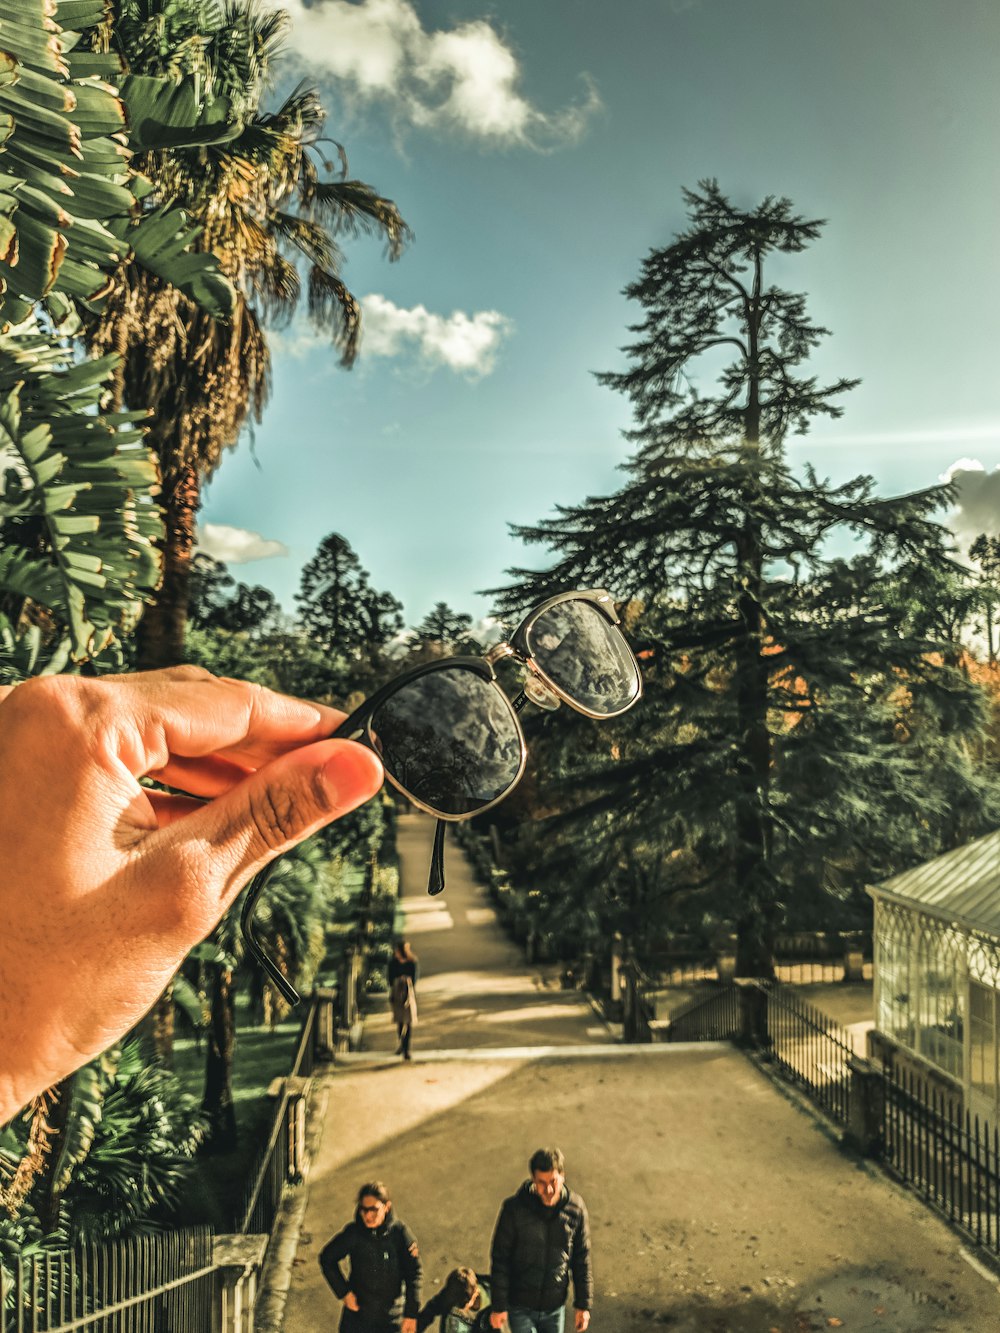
[536,1248]
[383,1261]
[448,1300]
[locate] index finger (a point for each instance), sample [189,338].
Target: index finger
[188,713]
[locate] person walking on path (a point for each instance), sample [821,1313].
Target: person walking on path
[404,969]
[542,1237]
[381,1293]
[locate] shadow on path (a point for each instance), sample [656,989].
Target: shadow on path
[475,989]
[717,1205]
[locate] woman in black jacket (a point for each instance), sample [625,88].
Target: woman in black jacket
[381,1292]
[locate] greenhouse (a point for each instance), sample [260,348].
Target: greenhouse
[937,967]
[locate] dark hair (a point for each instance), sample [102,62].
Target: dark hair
[374,1189]
[547,1159]
[403,947]
[461,1285]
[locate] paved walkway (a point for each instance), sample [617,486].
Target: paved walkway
[717,1203]
[475,989]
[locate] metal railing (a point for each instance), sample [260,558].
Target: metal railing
[948,1156]
[305,1051]
[717,1017]
[158,1283]
[273,1172]
[278,1162]
[163,1282]
[809,1048]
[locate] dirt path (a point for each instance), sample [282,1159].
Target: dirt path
[716,1202]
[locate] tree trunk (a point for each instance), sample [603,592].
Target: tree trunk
[157,1028]
[755,924]
[217,1102]
[160,641]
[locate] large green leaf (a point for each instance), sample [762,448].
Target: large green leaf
[67,192]
[83,481]
[167,114]
[160,241]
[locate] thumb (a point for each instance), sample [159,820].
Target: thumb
[232,837]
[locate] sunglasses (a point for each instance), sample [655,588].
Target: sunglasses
[449,738]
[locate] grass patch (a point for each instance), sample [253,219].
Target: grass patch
[216,1188]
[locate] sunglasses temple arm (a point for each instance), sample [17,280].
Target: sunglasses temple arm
[257,886]
[435,879]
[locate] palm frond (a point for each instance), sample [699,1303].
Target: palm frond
[332,305]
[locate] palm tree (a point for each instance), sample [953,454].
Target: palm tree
[271,204]
[291,926]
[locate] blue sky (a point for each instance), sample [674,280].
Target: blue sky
[538,149]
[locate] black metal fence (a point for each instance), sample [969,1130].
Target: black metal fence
[164,1282]
[277,1164]
[274,1170]
[809,1048]
[917,1129]
[947,1155]
[158,1283]
[305,1051]
[717,1017]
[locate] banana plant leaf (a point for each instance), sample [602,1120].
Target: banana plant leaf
[84,482]
[164,114]
[70,209]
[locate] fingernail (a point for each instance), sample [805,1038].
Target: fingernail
[355,771]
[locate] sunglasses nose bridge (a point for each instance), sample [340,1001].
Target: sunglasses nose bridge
[499,651]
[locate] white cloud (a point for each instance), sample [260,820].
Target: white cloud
[236,546]
[467,344]
[298,340]
[463,79]
[977,507]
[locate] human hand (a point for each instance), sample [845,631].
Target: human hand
[582,1320]
[106,885]
[409,1326]
[498,1318]
[351,1302]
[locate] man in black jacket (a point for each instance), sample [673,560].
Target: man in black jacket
[542,1236]
[383,1262]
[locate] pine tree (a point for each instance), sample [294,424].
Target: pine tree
[768,757]
[342,613]
[443,633]
[985,550]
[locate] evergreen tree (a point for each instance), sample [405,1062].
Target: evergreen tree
[985,550]
[444,633]
[768,756]
[218,601]
[343,614]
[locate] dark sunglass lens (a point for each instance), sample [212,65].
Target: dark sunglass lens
[450,739]
[583,653]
